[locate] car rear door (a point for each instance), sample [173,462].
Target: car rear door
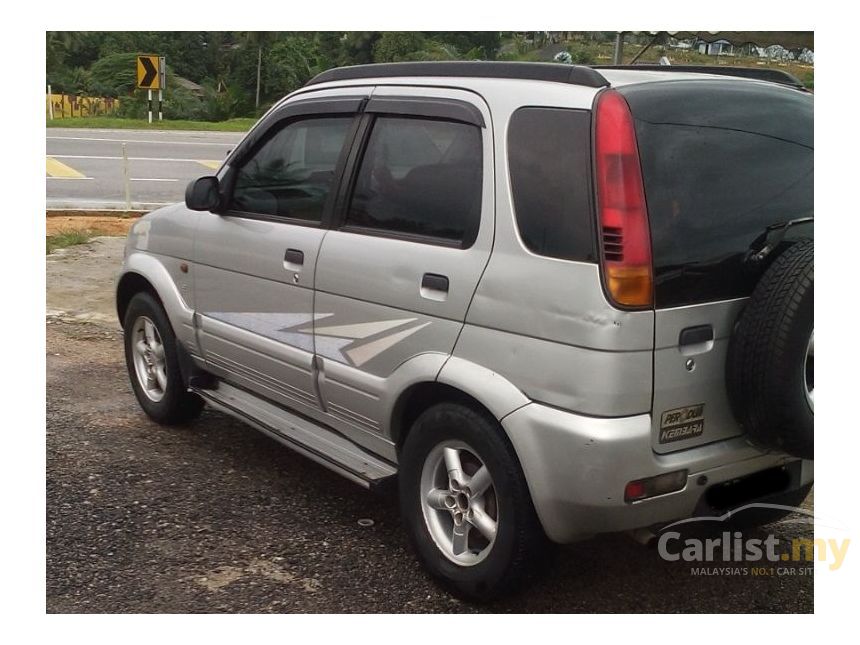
[414,231]
[722,160]
[254,260]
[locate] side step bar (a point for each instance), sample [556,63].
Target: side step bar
[317,442]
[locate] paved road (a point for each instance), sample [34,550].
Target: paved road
[214,517]
[84,167]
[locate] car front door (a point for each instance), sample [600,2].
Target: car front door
[254,260]
[412,235]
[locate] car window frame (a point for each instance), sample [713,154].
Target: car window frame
[418,108]
[593,254]
[310,109]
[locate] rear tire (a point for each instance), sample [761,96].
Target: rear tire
[153,364]
[504,542]
[770,366]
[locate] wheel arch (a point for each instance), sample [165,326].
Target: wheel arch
[146,272]
[420,397]
[458,381]
[129,285]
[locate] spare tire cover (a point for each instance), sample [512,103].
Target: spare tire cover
[770,364]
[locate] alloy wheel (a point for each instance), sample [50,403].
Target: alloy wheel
[149,363]
[459,503]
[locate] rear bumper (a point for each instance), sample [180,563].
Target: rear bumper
[577,468]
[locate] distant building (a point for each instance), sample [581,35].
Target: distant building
[716,48]
[185,84]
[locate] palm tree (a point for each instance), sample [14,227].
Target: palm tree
[259,39]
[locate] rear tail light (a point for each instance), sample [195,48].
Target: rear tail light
[640,489]
[623,215]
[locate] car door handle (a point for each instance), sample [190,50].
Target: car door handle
[294,256]
[435,282]
[696,335]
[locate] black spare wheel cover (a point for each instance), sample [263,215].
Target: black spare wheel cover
[769,370]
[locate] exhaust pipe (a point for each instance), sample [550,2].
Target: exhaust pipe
[645,537]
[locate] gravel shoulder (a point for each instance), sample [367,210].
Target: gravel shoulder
[80,281]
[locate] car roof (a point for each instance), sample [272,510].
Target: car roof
[595,77]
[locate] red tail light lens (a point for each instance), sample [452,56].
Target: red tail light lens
[623,215]
[653,486]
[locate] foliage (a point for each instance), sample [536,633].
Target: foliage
[68,238]
[395,46]
[581,56]
[225,63]
[117,73]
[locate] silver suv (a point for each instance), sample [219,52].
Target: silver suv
[554,301]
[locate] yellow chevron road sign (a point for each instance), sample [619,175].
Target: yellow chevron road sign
[149,73]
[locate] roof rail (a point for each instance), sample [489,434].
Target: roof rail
[763,74]
[553,72]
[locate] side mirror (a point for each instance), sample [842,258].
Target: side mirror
[203,194]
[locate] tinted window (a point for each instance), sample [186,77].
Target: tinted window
[549,155]
[721,162]
[420,177]
[292,173]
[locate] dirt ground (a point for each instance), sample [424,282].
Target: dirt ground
[214,517]
[80,281]
[103,224]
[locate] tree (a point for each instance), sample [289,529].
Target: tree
[117,73]
[292,62]
[59,46]
[487,42]
[329,47]
[357,47]
[259,39]
[394,46]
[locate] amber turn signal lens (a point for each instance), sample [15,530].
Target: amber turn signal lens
[629,286]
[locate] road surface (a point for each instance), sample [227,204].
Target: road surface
[84,168]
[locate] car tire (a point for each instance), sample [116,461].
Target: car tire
[486,567]
[769,374]
[153,364]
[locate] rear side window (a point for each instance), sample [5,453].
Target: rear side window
[291,174]
[420,177]
[549,155]
[721,162]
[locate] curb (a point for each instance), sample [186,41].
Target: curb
[73,212]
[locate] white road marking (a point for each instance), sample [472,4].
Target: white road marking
[157,142]
[150,179]
[69,178]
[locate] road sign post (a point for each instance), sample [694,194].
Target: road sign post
[151,75]
[162,73]
[50,104]
[125,178]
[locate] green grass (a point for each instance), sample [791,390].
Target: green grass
[108,122]
[69,238]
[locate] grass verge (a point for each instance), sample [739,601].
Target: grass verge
[69,238]
[115,123]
